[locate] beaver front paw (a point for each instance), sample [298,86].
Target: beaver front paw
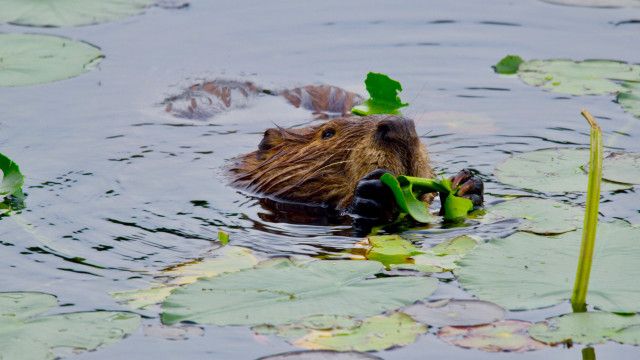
[469,186]
[373,201]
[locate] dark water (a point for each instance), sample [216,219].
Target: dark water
[114,180]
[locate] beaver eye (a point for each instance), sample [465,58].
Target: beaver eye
[328,133]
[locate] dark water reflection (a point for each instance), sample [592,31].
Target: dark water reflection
[113,180]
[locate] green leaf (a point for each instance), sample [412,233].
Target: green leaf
[630,98]
[602,327]
[375,334]
[383,96]
[455,312]
[550,170]
[283,292]
[589,77]
[507,335]
[12,178]
[406,199]
[526,271]
[442,257]
[228,259]
[509,65]
[28,59]
[539,216]
[389,249]
[622,168]
[321,355]
[68,12]
[24,336]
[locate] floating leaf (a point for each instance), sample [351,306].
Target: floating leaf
[375,334]
[12,178]
[540,216]
[383,92]
[229,259]
[588,328]
[527,271]
[293,331]
[509,65]
[622,168]
[389,249]
[550,170]
[589,77]
[24,336]
[442,257]
[630,98]
[596,3]
[321,355]
[68,12]
[28,59]
[283,292]
[507,335]
[455,312]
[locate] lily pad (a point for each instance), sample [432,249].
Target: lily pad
[384,99]
[284,292]
[550,170]
[527,271]
[630,98]
[442,257]
[12,178]
[539,216]
[293,331]
[597,3]
[68,12]
[27,59]
[229,259]
[389,249]
[375,334]
[321,355]
[602,327]
[509,65]
[622,168]
[588,77]
[507,335]
[455,312]
[25,335]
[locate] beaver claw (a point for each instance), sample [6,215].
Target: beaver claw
[373,201]
[469,186]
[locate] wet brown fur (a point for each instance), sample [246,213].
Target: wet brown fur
[299,165]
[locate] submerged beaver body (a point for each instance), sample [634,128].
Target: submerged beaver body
[323,164]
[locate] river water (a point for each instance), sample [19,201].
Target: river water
[113,179]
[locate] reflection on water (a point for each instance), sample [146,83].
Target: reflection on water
[117,188]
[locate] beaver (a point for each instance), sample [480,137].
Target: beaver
[338,163]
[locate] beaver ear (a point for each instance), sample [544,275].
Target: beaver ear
[272,137]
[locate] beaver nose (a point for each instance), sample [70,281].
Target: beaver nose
[397,129]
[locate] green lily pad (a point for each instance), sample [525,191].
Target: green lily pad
[602,327]
[455,312]
[284,292]
[383,92]
[596,3]
[442,257]
[12,178]
[375,334]
[550,170]
[509,65]
[28,59]
[507,335]
[229,259]
[388,249]
[622,168]
[526,271]
[68,12]
[630,98]
[321,355]
[539,216]
[24,335]
[297,330]
[589,77]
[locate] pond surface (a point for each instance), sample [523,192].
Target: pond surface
[113,179]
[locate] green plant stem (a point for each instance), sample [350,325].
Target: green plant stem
[588,353]
[581,285]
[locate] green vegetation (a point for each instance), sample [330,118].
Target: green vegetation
[29,59]
[383,96]
[538,216]
[509,65]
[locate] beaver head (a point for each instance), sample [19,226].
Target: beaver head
[322,164]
